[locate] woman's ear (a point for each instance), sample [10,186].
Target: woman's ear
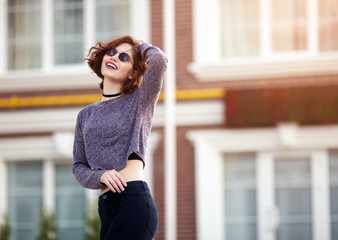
[131,75]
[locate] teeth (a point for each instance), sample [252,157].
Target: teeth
[111,65]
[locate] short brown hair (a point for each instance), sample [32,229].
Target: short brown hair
[97,52]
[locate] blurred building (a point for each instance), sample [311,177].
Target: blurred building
[256,114]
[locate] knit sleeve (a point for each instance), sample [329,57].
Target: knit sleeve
[83,173]
[153,77]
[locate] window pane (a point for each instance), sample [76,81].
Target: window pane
[68,31]
[328,25]
[24,34]
[24,198]
[70,204]
[293,173]
[240,197]
[334,194]
[240,28]
[289,25]
[112,19]
[294,201]
[294,232]
[67,234]
[293,198]
[240,202]
[241,232]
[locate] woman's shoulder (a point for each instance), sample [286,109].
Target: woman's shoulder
[86,110]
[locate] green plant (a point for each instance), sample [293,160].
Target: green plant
[47,227]
[92,222]
[5,229]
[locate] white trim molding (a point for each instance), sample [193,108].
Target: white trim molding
[36,121]
[27,149]
[258,69]
[153,141]
[269,139]
[321,195]
[3,188]
[140,19]
[209,188]
[3,36]
[63,78]
[267,143]
[195,113]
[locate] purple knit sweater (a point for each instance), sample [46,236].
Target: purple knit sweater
[108,132]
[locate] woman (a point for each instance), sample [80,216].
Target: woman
[111,136]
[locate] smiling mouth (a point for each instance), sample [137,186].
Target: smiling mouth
[111,65]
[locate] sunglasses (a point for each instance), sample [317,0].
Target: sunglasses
[124,57]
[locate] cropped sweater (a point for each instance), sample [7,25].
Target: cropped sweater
[108,132]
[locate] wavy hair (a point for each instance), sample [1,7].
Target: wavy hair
[97,52]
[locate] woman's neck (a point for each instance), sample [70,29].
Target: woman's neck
[110,88]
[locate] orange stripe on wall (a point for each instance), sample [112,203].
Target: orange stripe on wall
[24,102]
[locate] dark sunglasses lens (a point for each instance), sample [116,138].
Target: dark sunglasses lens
[112,52]
[123,57]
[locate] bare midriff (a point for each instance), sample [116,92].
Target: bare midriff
[133,171]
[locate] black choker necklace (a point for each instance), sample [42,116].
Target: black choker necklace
[111,95]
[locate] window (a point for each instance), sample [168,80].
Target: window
[240,28]
[24,198]
[32,45]
[240,197]
[44,41]
[24,34]
[70,204]
[263,39]
[328,25]
[68,31]
[287,26]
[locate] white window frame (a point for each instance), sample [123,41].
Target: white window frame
[69,76]
[210,145]
[208,64]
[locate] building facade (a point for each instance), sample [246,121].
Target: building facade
[256,114]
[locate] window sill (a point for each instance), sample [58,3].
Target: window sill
[60,79]
[258,69]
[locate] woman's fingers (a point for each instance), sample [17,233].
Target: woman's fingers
[113,180]
[116,182]
[110,186]
[121,178]
[105,179]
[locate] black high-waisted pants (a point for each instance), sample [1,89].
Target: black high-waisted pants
[129,215]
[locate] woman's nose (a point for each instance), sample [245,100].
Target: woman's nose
[115,57]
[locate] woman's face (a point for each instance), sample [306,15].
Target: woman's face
[113,68]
